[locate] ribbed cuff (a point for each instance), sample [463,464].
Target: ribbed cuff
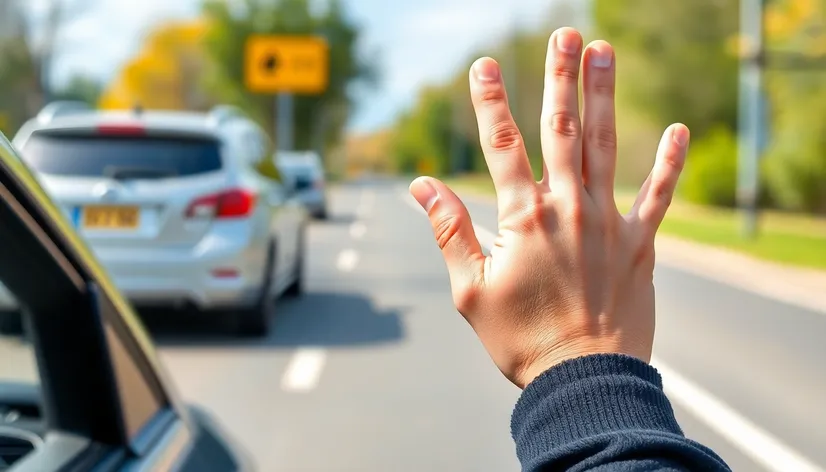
[586,397]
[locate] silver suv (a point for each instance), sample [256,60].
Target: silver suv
[183,209]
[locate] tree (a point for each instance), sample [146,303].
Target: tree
[81,88]
[673,63]
[20,97]
[166,73]
[441,129]
[228,32]
[795,165]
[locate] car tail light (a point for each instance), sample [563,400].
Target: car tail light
[235,203]
[121,130]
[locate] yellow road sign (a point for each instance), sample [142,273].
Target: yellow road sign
[287,64]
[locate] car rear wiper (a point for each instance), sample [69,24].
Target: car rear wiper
[126,173]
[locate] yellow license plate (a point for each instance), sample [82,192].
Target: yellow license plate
[110,217]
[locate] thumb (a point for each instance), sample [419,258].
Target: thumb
[454,234]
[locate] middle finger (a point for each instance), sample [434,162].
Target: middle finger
[561,133]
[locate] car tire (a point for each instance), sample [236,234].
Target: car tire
[254,322]
[11,322]
[321,214]
[297,287]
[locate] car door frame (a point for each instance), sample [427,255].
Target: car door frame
[107,400]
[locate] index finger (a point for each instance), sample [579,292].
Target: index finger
[500,138]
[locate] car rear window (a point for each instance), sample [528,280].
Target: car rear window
[121,157]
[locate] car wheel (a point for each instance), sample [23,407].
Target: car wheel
[255,321]
[297,287]
[11,322]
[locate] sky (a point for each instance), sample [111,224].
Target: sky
[416,42]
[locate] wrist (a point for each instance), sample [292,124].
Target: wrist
[552,360]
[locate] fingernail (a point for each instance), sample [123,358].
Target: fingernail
[567,42]
[425,193]
[486,70]
[600,56]
[680,135]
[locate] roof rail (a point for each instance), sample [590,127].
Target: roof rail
[223,113]
[61,108]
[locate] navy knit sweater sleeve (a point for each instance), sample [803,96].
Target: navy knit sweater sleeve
[605,412]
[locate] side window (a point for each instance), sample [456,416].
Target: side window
[262,150]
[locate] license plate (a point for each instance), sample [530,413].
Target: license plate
[110,217]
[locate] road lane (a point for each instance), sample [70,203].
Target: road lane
[759,356]
[405,385]
[373,370]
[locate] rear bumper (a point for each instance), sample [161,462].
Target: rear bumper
[183,276]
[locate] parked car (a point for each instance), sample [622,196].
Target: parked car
[182,209]
[306,171]
[104,401]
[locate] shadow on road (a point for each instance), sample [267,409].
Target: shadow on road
[316,319]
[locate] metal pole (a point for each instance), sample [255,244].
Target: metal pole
[749,114]
[284,127]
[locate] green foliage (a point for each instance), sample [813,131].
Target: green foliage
[795,168]
[710,174]
[226,41]
[80,88]
[674,60]
[440,132]
[18,83]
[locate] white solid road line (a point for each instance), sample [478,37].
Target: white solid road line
[358,230]
[759,445]
[347,260]
[755,443]
[304,370]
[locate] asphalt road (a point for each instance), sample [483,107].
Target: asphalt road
[373,369]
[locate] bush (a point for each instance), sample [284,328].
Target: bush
[710,174]
[795,170]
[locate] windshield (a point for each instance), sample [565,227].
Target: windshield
[121,157]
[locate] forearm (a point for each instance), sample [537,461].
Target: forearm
[603,412]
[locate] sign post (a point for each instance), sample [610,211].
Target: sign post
[750,117]
[286,66]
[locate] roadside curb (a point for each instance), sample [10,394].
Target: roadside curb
[802,287]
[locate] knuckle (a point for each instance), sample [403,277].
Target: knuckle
[675,162]
[662,192]
[564,71]
[465,297]
[575,213]
[505,136]
[604,87]
[531,218]
[492,95]
[564,124]
[603,136]
[445,228]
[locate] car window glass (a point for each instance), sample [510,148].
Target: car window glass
[140,404]
[109,156]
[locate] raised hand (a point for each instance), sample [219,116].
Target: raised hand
[568,275]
